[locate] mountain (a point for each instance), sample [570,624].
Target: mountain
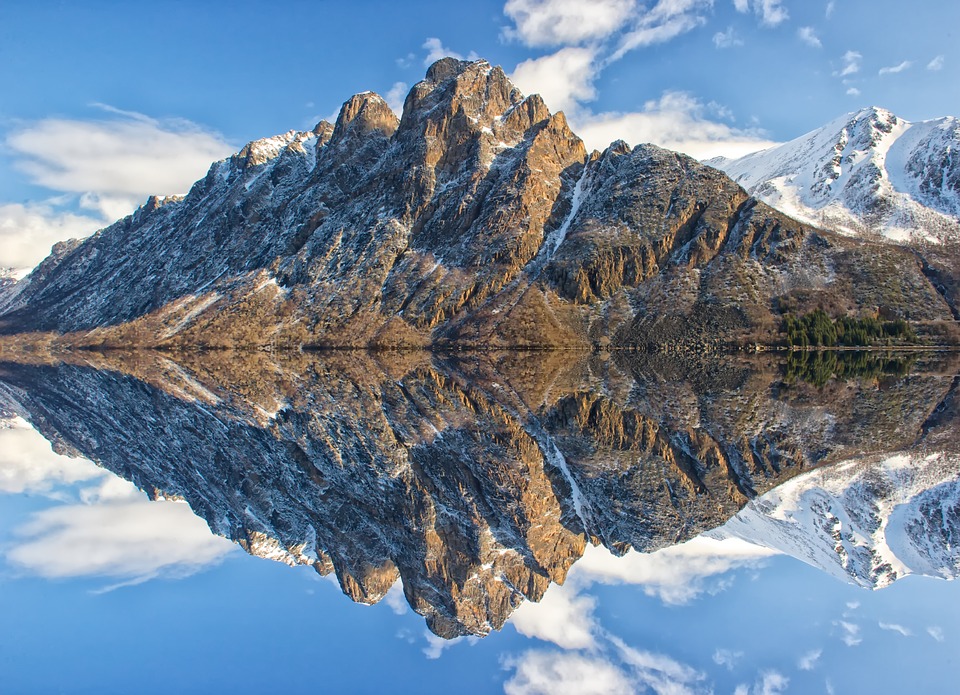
[476,479]
[477,219]
[866,173]
[868,522]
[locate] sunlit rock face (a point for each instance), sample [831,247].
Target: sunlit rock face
[477,479]
[476,219]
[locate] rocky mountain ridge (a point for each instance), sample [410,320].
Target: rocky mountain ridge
[476,220]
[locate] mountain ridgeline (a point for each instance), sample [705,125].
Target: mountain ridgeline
[478,219]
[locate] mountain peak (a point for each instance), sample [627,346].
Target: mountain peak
[363,113]
[866,172]
[451,68]
[480,91]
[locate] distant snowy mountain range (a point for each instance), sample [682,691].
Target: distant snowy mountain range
[869,172]
[868,522]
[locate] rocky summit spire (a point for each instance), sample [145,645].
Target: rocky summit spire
[362,114]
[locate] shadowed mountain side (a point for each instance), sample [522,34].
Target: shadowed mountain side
[477,479]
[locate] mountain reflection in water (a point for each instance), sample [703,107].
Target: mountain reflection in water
[479,479]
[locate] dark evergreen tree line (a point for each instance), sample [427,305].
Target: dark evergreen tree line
[817,329]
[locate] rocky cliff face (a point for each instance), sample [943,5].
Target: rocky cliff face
[476,480]
[478,218]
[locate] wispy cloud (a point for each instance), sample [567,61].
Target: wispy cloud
[727,39]
[851,633]
[125,158]
[853,92]
[808,661]
[565,22]
[936,632]
[894,69]
[936,64]
[809,36]
[665,21]
[727,658]
[677,121]
[770,12]
[851,64]
[893,627]
[831,8]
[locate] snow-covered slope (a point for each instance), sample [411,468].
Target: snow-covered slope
[868,172]
[866,522]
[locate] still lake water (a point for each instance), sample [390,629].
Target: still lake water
[495,522]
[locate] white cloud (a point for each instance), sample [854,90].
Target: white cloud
[853,92]
[894,69]
[727,658]
[851,64]
[666,20]
[727,39]
[677,574]
[658,672]
[809,36]
[936,632]
[831,7]
[936,63]
[677,121]
[395,598]
[893,627]
[565,22]
[808,661]
[767,683]
[771,683]
[107,166]
[436,646]
[28,231]
[563,78]
[29,464]
[851,633]
[436,50]
[395,97]
[116,533]
[770,12]
[558,673]
[562,617]
[128,157]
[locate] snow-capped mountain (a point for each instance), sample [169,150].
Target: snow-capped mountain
[477,219]
[869,172]
[869,522]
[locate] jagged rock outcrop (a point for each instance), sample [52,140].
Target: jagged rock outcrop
[477,480]
[477,219]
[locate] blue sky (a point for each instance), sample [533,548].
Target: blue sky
[106,103]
